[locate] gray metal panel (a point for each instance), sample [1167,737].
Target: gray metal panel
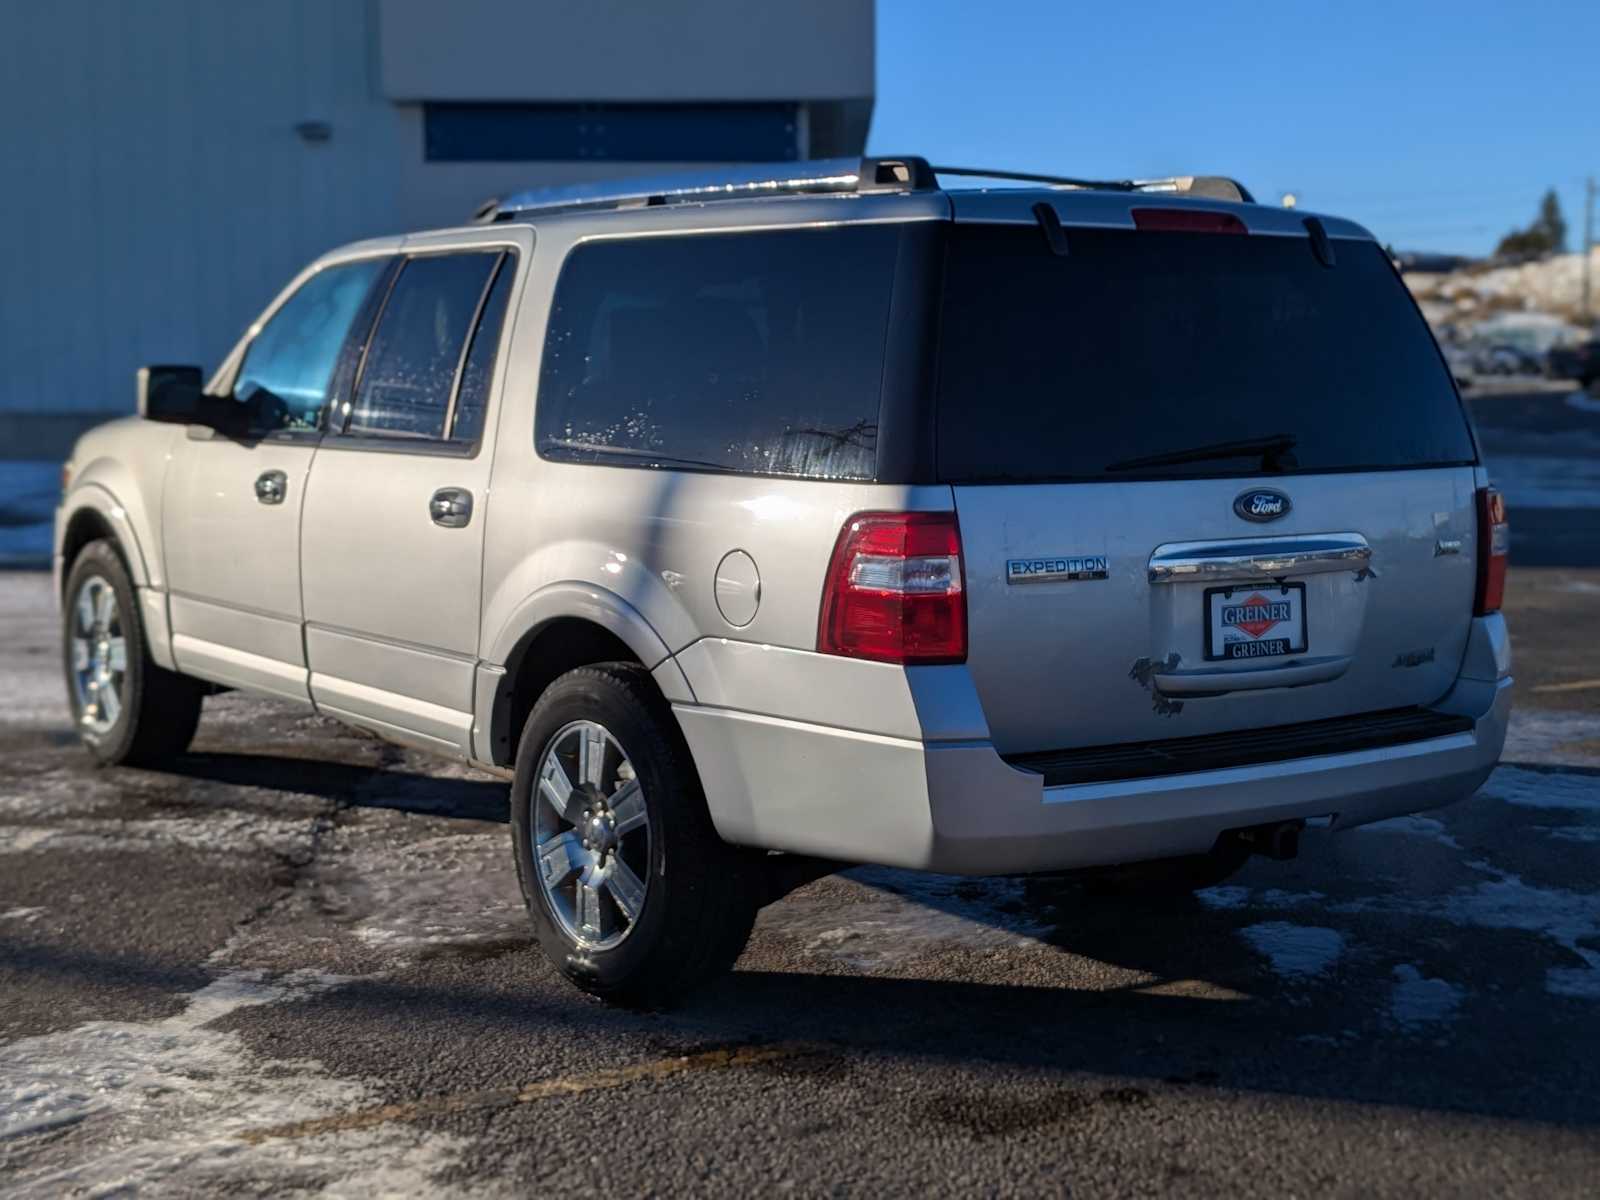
[622,50]
[162,194]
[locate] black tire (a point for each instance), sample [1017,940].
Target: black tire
[695,919]
[1169,876]
[159,709]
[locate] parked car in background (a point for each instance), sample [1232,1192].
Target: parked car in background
[823,516]
[1579,361]
[1502,358]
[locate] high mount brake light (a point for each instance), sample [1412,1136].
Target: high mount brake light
[895,590]
[1494,544]
[1186,220]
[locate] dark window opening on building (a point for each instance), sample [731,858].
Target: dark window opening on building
[616,132]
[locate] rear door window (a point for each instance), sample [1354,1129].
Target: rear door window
[415,352]
[472,396]
[1141,346]
[759,353]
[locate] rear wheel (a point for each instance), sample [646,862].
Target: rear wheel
[604,798]
[125,707]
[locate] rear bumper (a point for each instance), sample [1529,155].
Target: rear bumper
[958,807]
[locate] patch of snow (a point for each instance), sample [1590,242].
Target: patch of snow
[1416,1001]
[1552,738]
[871,918]
[1545,789]
[20,838]
[1579,983]
[1565,917]
[460,888]
[1296,952]
[1415,826]
[1225,896]
[1549,286]
[20,914]
[217,830]
[1279,898]
[1587,834]
[163,1104]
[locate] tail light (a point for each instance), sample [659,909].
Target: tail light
[1494,541]
[894,591]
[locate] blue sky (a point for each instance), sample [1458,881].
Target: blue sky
[1438,125]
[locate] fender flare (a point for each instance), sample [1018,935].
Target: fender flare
[95,496]
[588,602]
[566,599]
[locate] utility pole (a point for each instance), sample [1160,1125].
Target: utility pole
[1588,243]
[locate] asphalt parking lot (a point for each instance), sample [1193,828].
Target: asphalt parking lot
[299,962]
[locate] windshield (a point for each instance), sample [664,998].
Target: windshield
[1145,354]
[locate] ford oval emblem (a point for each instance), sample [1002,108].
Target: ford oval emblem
[1262,504]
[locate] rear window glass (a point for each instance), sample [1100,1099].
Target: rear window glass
[759,353]
[1138,349]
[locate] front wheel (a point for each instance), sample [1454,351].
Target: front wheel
[125,707]
[604,798]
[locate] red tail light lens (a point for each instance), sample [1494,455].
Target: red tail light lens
[894,591]
[1186,220]
[1494,542]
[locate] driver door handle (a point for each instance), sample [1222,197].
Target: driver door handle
[451,507]
[272,487]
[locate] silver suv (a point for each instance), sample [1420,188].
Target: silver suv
[764,523]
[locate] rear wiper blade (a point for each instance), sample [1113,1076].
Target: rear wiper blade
[1270,449]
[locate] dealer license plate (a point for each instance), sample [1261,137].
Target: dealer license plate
[1255,622]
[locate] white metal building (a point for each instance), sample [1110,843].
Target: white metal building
[168,164]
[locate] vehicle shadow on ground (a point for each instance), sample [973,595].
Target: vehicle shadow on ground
[864,1029]
[351,785]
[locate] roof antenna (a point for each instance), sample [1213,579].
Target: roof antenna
[1045,214]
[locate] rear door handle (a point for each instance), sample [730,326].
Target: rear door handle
[451,507]
[272,487]
[1246,560]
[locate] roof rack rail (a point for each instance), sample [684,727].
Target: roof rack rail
[1216,187]
[735,182]
[1099,185]
[821,176]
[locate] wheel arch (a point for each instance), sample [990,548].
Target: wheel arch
[92,512]
[561,627]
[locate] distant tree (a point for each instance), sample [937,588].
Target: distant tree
[1547,234]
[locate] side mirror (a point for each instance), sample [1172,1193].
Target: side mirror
[169,394]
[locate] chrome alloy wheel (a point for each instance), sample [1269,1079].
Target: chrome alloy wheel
[591,835]
[99,655]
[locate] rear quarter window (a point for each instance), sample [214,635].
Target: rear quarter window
[1144,343]
[758,353]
